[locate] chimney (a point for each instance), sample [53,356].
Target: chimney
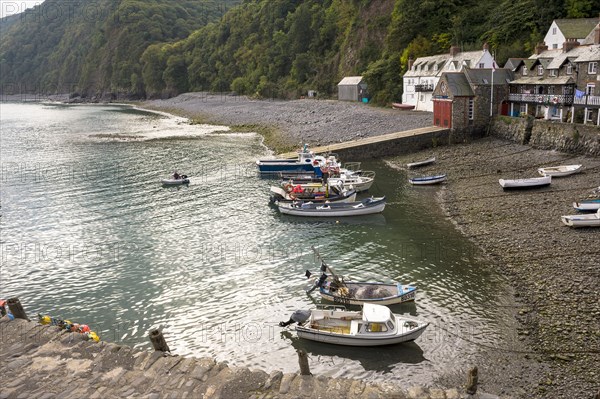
[410,63]
[540,48]
[597,34]
[486,47]
[569,45]
[454,50]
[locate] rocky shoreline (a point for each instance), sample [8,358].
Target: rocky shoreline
[552,268]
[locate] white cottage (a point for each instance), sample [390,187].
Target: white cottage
[563,29]
[424,73]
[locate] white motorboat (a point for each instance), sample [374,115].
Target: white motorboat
[525,183]
[368,206]
[374,325]
[425,180]
[590,220]
[424,162]
[360,182]
[559,171]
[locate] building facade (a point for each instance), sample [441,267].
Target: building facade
[424,73]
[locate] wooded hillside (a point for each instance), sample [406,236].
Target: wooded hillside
[266,48]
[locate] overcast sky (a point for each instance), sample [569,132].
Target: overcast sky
[12,7]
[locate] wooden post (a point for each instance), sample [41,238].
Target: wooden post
[16,308]
[472,381]
[158,341]
[303,362]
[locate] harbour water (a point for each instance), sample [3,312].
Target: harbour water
[89,234]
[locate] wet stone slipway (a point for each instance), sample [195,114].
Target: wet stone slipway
[45,362]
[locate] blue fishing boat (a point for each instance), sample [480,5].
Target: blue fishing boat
[306,162]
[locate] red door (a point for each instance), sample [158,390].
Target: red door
[504,108]
[442,113]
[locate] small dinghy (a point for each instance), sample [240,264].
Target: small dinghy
[368,206]
[336,289]
[405,107]
[424,162]
[176,179]
[559,171]
[587,205]
[420,181]
[592,220]
[525,183]
[374,325]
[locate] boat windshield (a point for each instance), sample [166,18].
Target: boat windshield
[390,325]
[376,327]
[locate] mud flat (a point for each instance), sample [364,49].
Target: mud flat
[553,269]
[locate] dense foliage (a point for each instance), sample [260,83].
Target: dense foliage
[91,47]
[266,48]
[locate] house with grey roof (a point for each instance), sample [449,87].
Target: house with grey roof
[465,101]
[424,73]
[574,28]
[560,84]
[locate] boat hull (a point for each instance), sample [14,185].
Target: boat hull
[592,220]
[525,183]
[560,171]
[399,294]
[404,335]
[420,163]
[587,205]
[281,166]
[175,182]
[422,181]
[333,210]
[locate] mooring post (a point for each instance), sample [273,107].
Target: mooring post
[158,341]
[16,308]
[472,381]
[303,362]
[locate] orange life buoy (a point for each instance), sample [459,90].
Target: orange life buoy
[315,162]
[288,187]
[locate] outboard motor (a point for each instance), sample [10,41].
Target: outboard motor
[299,316]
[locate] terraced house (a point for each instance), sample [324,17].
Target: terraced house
[560,81]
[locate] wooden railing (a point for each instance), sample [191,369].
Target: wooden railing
[563,99]
[587,100]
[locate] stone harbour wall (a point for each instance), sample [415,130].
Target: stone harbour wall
[548,135]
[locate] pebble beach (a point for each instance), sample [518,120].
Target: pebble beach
[552,269]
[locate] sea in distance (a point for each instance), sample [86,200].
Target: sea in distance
[89,234]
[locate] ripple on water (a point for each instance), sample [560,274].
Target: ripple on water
[96,238]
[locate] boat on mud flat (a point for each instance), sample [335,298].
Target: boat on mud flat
[590,220]
[424,162]
[587,205]
[374,325]
[367,206]
[559,171]
[425,180]
[405,107]
[525,183]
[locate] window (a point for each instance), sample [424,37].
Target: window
[540,70]
[555,46]
[471,109]
[523,108]
[554,31]
[569,69]
[553,72]
[590,116]
[435,67]
[524,70]
[376,327]
[481,65]
[592,67]
[590,88]
[426,68]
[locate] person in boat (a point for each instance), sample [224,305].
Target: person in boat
[176,176]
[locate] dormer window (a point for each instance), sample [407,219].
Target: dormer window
[435,67]
[552,72]
[426,68]
[540,69]
[524,71]
[569,69]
